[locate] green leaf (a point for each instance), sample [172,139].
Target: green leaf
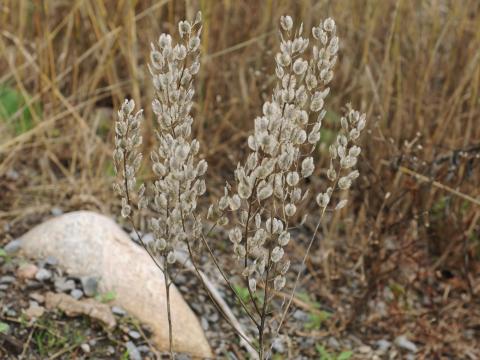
[324,354]
[106,297]
[4,327]
[12,101]
[3,253]
[345,355]
[315,320]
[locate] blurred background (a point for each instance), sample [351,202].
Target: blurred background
[411,233]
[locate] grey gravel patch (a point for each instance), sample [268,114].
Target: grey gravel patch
[4,286]
[90,285]
[77,294]
[43,275]
[133,352]
[13,246]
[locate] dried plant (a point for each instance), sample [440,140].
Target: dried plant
[269,185]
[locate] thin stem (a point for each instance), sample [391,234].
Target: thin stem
[219,309]
[217,265]
[169,315]
[304,260]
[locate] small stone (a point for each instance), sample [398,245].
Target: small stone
[135,335]
[76,294]
[110,350]
[3,286]
[7,279]
[204,323]
[50,260]
[56,211]
[85,348]
[90,285]
[383,345]
[27,271]
[300,315]
[39,298]
[63,285]
[13,246]
[11,313]
[333,343]
[364,349]
[33,285]
[279,345]
[117,310]
[133,352]
[404,343]
[34,311]
[143,348]
[43,275]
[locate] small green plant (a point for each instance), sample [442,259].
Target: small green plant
[106,297]
[11,101]
[326,355]
[4,327]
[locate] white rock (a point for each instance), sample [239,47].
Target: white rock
[89,244]
[404,343]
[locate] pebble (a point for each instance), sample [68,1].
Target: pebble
[7,279]
[383,345]
[365,349]
[33,285]
[39,298]
[333,343]
[3,286]
[90,285]
[50,260]
[117,310]
[11,313]
[43,274]
[110,350]
[204,323]
[85,348]
[13,246]
[404,343]
[135,335]
[27,271]
[143,348]
[279,345]
[300,315]
[56,211]
[76,294]
[63,285]
[133,352]
[34,311]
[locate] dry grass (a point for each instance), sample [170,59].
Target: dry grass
[413,66]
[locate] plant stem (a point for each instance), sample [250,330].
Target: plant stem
[169,315]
